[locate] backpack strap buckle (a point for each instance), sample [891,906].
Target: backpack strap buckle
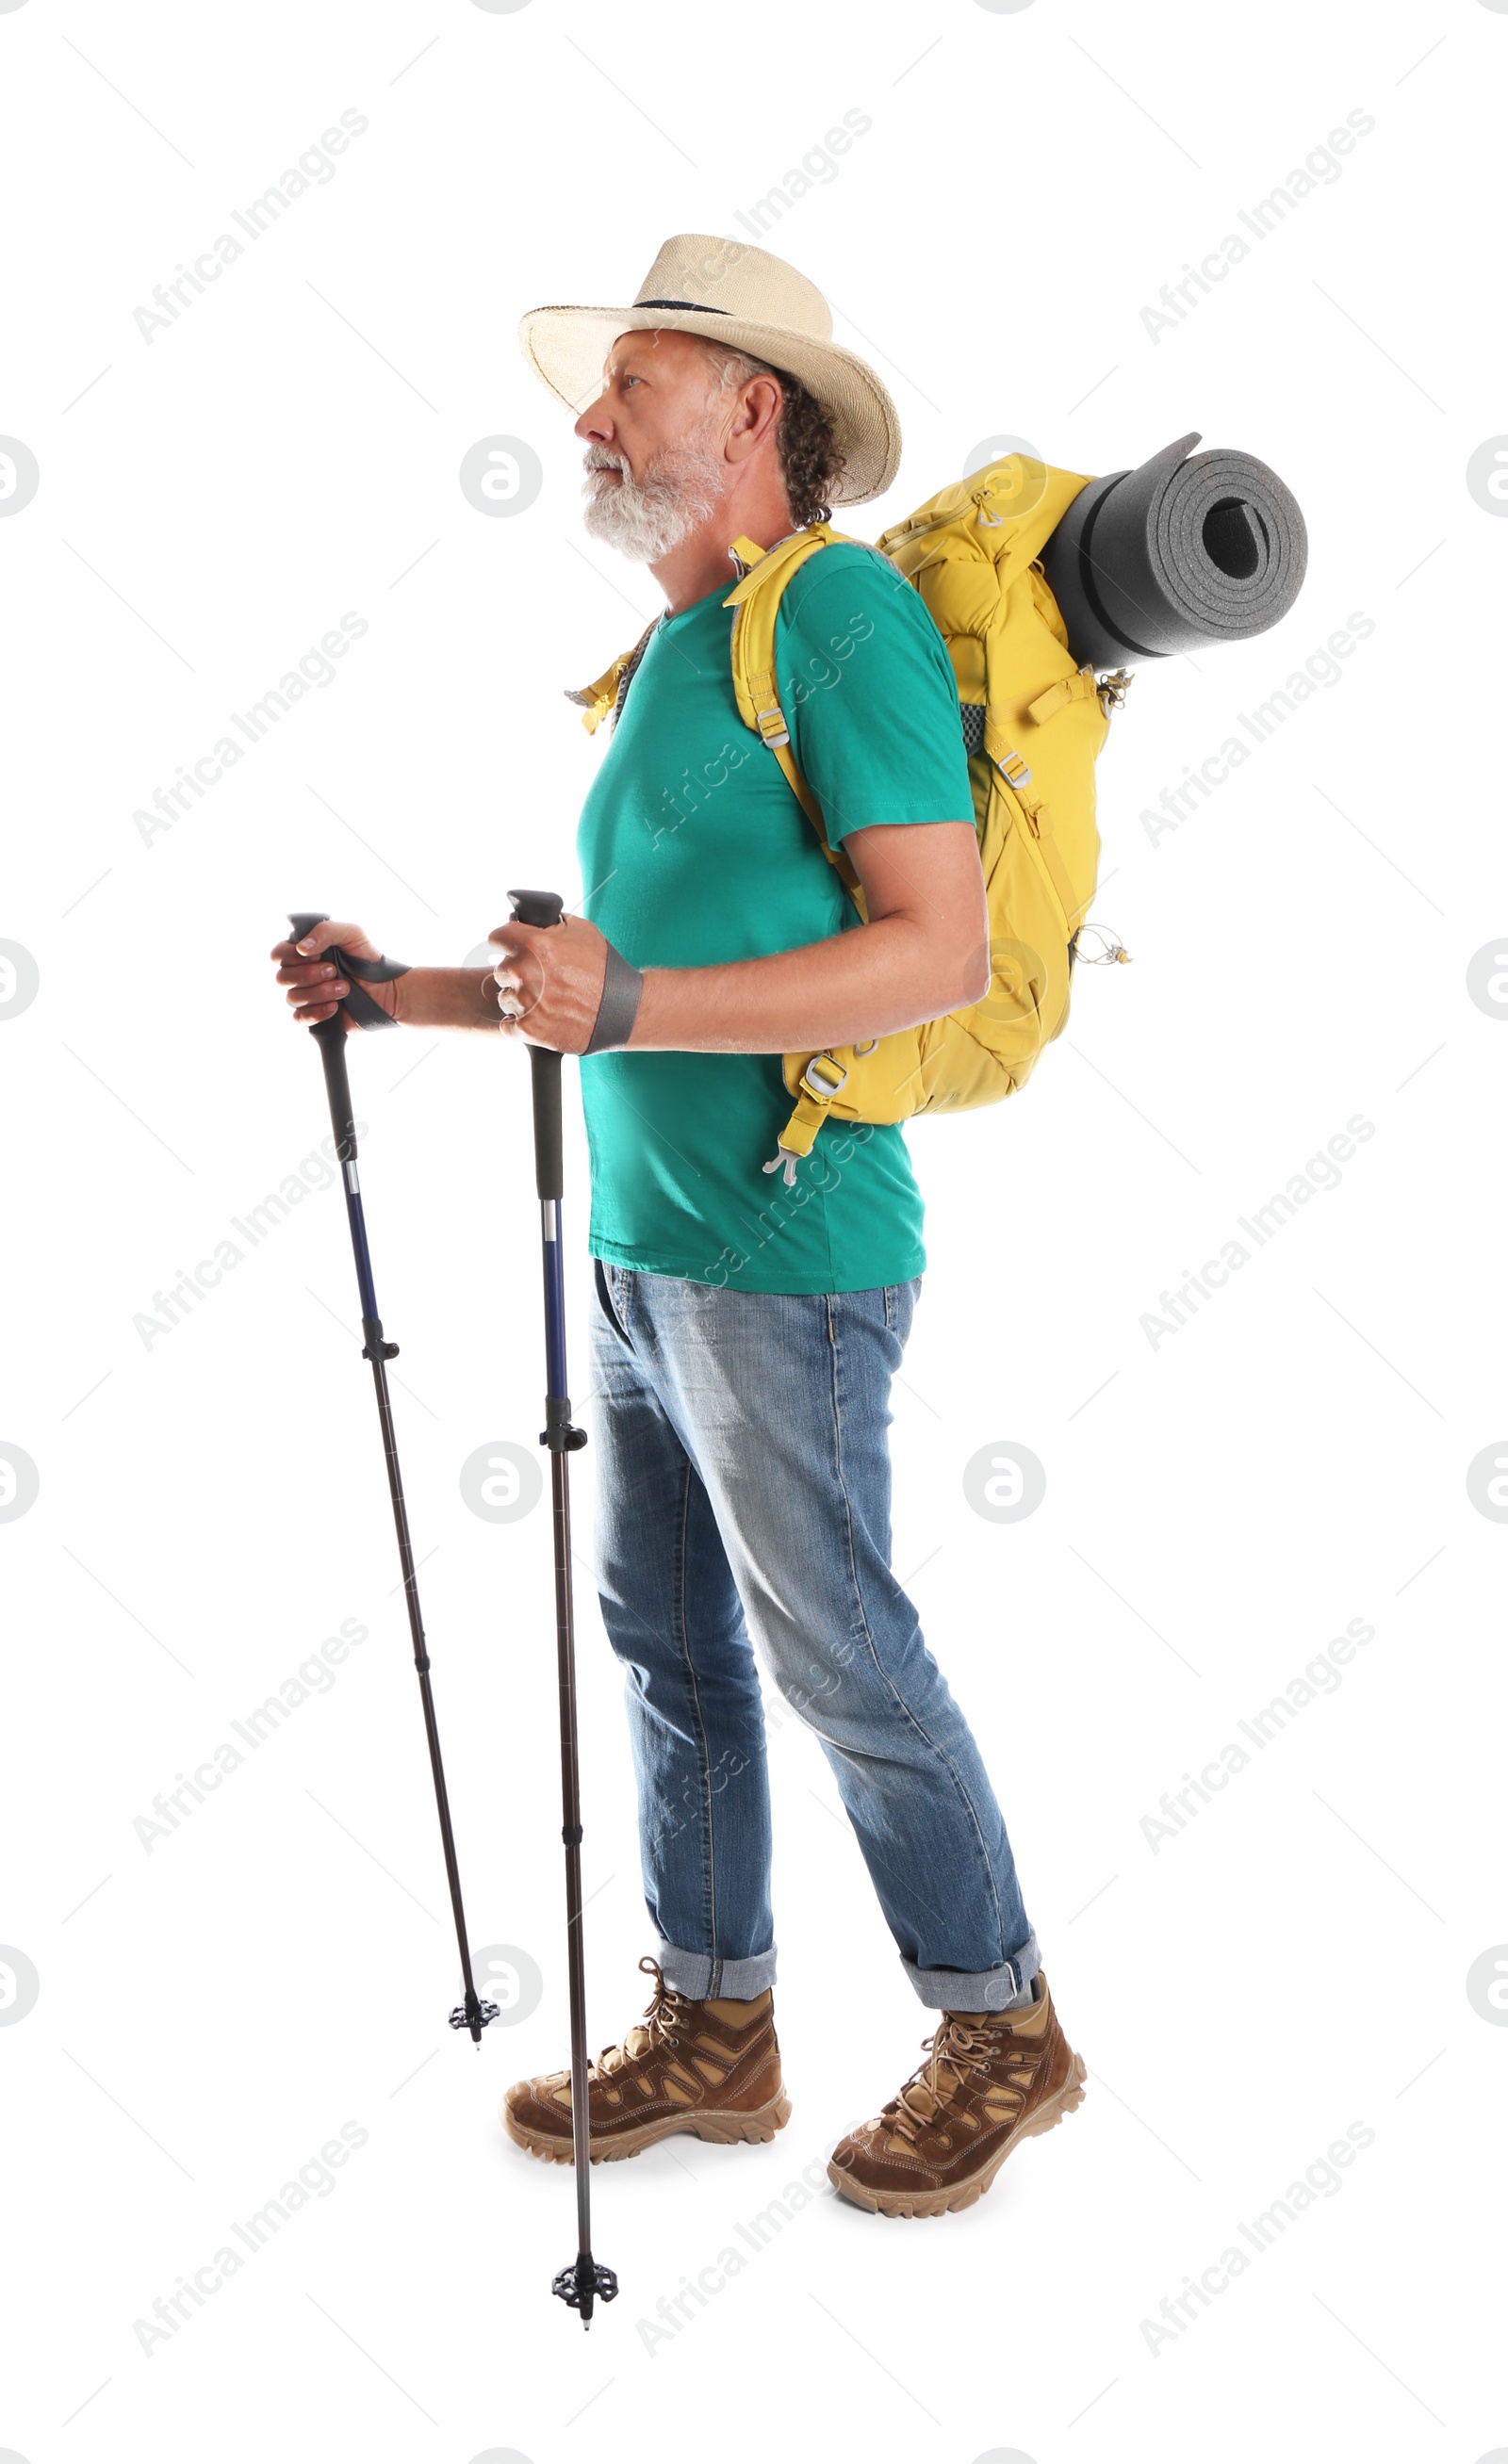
[746,554]
[824,1088]
[1014,768]
[771,725]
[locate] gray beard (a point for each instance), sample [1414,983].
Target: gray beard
[645,519]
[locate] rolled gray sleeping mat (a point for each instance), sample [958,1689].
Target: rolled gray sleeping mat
[1151,561]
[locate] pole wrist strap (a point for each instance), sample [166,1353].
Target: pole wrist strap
[622,989]
[361,1007]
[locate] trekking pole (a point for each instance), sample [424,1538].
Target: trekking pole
[585,2282]
[330,1036]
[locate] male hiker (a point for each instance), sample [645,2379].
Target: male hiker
[745,1333]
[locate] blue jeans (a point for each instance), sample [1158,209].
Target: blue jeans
[743,1491]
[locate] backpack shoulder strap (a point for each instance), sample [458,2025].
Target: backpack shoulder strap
[755,603]
[598,700]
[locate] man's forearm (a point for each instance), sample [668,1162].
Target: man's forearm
[446,997]
[864,982]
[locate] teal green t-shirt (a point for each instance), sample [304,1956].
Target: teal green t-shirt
[693,852]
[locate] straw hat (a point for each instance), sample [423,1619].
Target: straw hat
[751,301]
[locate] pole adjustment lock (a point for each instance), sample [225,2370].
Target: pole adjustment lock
[558,1432]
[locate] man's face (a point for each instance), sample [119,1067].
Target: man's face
[654,467]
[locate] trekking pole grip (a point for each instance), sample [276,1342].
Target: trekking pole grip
[542,907]
[330,1036]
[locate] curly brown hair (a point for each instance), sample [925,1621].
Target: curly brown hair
[811,460]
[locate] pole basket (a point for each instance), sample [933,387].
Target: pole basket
[582,2282]
[474,2013]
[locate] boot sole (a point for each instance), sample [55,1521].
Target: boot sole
[721,2130]
[947,2202]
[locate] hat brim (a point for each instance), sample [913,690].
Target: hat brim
[566,347]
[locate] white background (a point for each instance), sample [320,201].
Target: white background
[1217,1508]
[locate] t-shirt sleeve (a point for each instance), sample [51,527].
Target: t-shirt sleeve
[869,695]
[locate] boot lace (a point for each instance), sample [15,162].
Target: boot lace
[958,2056]
[665,2014]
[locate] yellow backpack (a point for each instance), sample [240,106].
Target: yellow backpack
[1033,724]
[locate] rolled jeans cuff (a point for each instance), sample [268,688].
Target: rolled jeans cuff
[702,1979]
[992,1989]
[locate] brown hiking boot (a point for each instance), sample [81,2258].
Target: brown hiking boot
[712,2068]
[992,2079]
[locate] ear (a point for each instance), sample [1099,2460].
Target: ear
[760,403]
